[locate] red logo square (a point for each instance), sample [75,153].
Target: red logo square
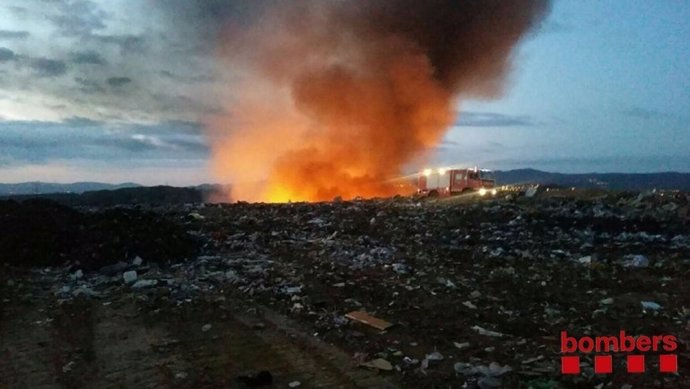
[635,363]
[668,363]
[603,364]
[570,365]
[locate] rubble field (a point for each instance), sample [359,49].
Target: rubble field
[451,293]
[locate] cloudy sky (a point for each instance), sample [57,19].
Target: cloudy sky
[119,90]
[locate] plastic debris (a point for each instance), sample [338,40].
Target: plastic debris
[378,363]
[637,261]
[531,191]
[140,284]
[650,305]
[485,332]
[129,277]
[365,318]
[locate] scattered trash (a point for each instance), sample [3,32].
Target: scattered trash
[196,216]
[531,191]
[485,332]
[84,290]
[408,362]
[111,270]
[292,290]
[68,367]
[637,261]
[433,357]
[651,305]
[469,305]
[369,320]
[144,284]
[129,277]
[529,268]
[586,260]
[294,384]
[532,360]
[206,327]
[378,363]
[488,376]
[545,383]
[400,268]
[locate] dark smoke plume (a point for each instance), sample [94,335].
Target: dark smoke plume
[336,97]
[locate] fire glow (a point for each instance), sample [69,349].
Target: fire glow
[336,98]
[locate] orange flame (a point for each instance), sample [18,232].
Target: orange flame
[336,98]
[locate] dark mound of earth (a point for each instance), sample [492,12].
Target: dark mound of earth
[40,232]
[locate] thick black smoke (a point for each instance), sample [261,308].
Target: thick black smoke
[335,96]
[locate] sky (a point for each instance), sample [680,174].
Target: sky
[120,91]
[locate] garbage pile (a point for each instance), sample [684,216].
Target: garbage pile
[439,293]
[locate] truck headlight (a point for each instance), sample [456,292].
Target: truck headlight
[482,191]
[494,192]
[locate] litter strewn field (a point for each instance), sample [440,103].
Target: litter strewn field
[376,293]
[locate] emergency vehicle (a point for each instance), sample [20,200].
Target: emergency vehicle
[447,182]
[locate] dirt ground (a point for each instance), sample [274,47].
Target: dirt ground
[122,343]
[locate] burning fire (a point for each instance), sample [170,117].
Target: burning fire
[336,98]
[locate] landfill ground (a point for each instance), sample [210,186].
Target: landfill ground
[476,290]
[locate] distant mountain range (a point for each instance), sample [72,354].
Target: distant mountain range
[25,188]
[129,195]
[623,181]
[94,193]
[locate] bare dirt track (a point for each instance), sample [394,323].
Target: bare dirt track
[120,343]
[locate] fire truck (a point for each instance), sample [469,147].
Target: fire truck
[448,182]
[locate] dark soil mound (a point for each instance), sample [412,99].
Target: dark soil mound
[44,233]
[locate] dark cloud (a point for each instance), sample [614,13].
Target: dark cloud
[207,17]
[185,79]
[89,46]
[6,54]
[77,121]
[44,67]
[79,18]
[135,145]
[119,81]
[491,119]
[19,11]
[179,127]
[88,86]
[168,103]
[86,139]
[127,43]
[9,34]
[88,57]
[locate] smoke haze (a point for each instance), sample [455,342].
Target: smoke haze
[334,98]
